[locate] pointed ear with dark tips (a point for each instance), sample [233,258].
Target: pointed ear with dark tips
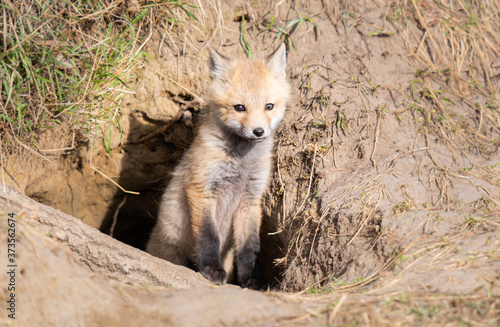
[218,64]
[276,62]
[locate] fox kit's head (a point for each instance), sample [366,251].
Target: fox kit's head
[248,97]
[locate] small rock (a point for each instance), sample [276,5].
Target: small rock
[61,235]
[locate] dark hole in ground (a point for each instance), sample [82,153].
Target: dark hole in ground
[134,220]
[131,217]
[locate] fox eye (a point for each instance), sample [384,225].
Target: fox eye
[269,106]
[239,107]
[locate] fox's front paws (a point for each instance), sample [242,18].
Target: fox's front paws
[215,273]
[253,283]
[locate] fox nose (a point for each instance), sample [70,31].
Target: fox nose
[258,132]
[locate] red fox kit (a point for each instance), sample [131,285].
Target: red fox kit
[212,207]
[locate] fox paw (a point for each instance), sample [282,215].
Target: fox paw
[253,283]
[216,275]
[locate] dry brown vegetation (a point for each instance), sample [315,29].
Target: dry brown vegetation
[384,208]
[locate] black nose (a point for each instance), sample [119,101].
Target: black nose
[258,132]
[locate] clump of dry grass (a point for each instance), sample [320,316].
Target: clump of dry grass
[413,309]
[453,46]
[65,63]
[398,308]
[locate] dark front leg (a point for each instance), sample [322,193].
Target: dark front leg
[209,261]
[206,245]
[247,244]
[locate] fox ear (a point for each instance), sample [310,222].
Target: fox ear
[276,62]
[218,64]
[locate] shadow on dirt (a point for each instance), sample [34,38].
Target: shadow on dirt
[131,217]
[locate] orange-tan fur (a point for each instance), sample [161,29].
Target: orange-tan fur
[212,207]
